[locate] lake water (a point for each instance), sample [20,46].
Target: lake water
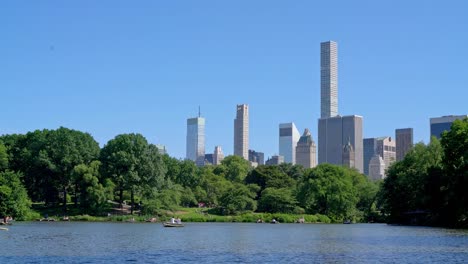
[69,242]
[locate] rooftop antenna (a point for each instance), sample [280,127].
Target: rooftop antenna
[199,112]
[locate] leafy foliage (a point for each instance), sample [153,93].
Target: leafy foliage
[14,199]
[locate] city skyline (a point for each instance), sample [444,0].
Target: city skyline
[105,76]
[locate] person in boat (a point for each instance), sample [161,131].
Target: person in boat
[178,221]
[172,220]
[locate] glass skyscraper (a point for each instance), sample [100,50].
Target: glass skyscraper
[196,140]
[288,138]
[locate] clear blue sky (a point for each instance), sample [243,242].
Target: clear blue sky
[111,67]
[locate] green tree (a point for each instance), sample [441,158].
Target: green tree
[455,160]
[275,200]
[405,189]
[132,163]
[67,148]
[270,176]
[3,157]
[328,189]
[14,200]
[235,168]
[93,195]
[212,187]
[237,199]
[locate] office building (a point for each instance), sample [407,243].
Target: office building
[334,133]
[441,124]
[275,160]
[306,151]
[196,140]
[385,147]
[376,168]
[328,79]
[288,138]
[218,155]
[241,131]
[403,142]
[257,157]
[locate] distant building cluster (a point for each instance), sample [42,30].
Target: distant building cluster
[340,137]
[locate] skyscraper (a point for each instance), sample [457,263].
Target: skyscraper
[404,142]
[328,79]
[306,152]
[218,155]
[441,124]
[241,132]
[196,140]
[334,133]
[288,137]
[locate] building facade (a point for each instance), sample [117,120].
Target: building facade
[257,157]
[328,79]
[441,124]
[241,131]
[275,160]
[370,148]
[385,147]
[348,156]
[334,133]
[306,151]
[403,142]
[196,140]
[209,159]
[218,155]
[288,138]
[376,168]
[161,149]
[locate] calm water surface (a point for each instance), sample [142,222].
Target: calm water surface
[39,242]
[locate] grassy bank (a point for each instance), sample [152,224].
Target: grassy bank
[185,214]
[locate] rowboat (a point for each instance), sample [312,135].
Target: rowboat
[168,224]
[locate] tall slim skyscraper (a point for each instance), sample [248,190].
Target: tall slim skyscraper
[328,79]
[306,152]
[441,124]
[334,133]
[404,142]
[196,140]
[241,132]
[288,138]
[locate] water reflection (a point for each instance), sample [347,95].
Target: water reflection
[230,242]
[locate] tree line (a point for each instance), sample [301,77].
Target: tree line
[66,166]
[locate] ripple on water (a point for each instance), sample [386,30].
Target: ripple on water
[230,243]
